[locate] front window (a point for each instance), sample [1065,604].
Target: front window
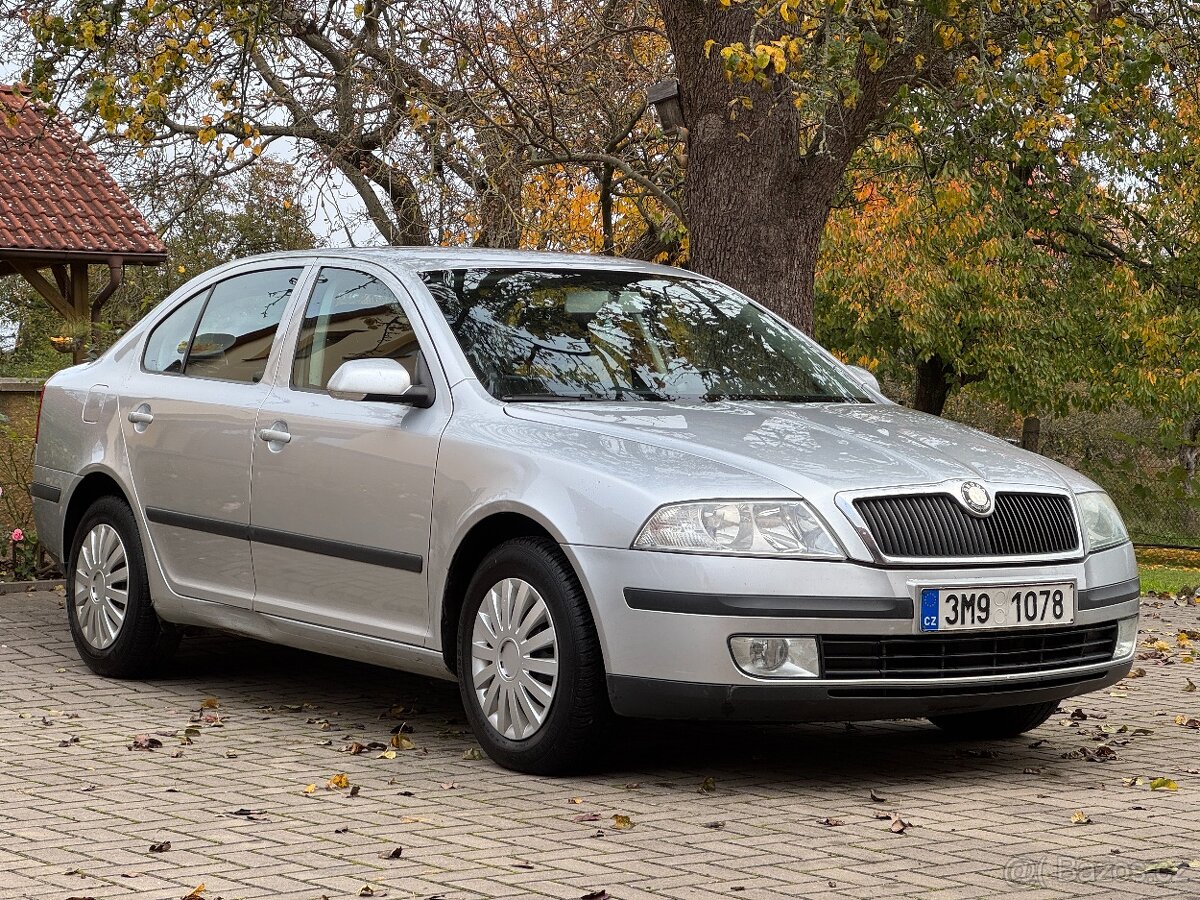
[597,335]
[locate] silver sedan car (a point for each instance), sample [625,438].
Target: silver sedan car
[581,486]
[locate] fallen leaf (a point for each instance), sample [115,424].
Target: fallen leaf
[716,826]
[338,782]
[898,825]
[355,789]
[354,748]
[387,754]
[400,742]
[474,753]
[1038,743]
[875,798]
[575,800]
[831,823]
[145,742]
[343,830]
[597,895]
[1079,715]
[366,891]
[195,894]
[708,785]
[1139,672]
[587,817]
[1163,784]
[450,785]
[1189,686]
[521,864]
[1079,817]
[210,703]
[310,789]
[1166,867]
[394,853]
[161,847]
[976,753]
[1188,722]
[622,823]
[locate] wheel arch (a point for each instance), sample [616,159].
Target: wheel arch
[94,485]
[480,539]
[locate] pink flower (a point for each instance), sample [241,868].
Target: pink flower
[18,535]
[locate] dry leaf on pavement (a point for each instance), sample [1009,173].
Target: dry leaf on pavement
[622,823]
[1079,817]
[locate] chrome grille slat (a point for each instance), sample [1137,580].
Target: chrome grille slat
[935,526]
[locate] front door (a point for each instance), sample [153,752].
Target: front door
[188,418]
[343,489]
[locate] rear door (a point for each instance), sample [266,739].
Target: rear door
[188,420]
[342,504]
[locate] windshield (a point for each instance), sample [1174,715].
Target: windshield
[542,335]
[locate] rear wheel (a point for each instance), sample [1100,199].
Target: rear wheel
[995,724]
[530,669]
[112,619]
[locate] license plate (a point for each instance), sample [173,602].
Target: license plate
[1010,606]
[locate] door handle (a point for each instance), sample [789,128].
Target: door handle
[276,434]
[141,417]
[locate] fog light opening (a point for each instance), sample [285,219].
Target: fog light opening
[1126,638]
[771,656]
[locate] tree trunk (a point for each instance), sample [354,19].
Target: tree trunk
[500,206]
[932,385]
[761,181]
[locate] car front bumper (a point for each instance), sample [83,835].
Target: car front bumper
[665,620]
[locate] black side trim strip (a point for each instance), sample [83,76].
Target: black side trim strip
[770,606]
[45,492]
[376,556]
[198,523]
[1110,594]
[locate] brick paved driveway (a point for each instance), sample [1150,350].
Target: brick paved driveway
[79,811]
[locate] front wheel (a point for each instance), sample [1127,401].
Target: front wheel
[530,670]
[995,724]
[112,619]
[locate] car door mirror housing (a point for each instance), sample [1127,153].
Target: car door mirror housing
[378,379]
[866,378]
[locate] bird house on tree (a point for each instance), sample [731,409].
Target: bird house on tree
[61,212]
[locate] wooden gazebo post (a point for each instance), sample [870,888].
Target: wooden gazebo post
[61,211]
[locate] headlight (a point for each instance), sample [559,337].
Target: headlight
[1102,523]
[739,528]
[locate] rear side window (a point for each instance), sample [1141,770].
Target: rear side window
[238,319]
[168,344]
[352,315]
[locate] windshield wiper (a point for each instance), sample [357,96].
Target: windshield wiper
[781,398]
[552,398]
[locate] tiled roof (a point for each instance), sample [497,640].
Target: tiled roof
[56,196]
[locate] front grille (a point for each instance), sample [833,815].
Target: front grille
[966,655]
[935,525]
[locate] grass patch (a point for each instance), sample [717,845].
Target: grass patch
[1166,571]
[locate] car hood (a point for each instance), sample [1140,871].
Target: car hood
[822,448]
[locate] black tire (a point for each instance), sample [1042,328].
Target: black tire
[995,724]
[578,713]
[144,642]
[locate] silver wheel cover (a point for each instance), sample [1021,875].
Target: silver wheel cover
[514,659]
[101,588]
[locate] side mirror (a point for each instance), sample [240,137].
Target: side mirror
[865,378]
[378,379]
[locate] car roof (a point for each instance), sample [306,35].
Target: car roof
[424,259]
